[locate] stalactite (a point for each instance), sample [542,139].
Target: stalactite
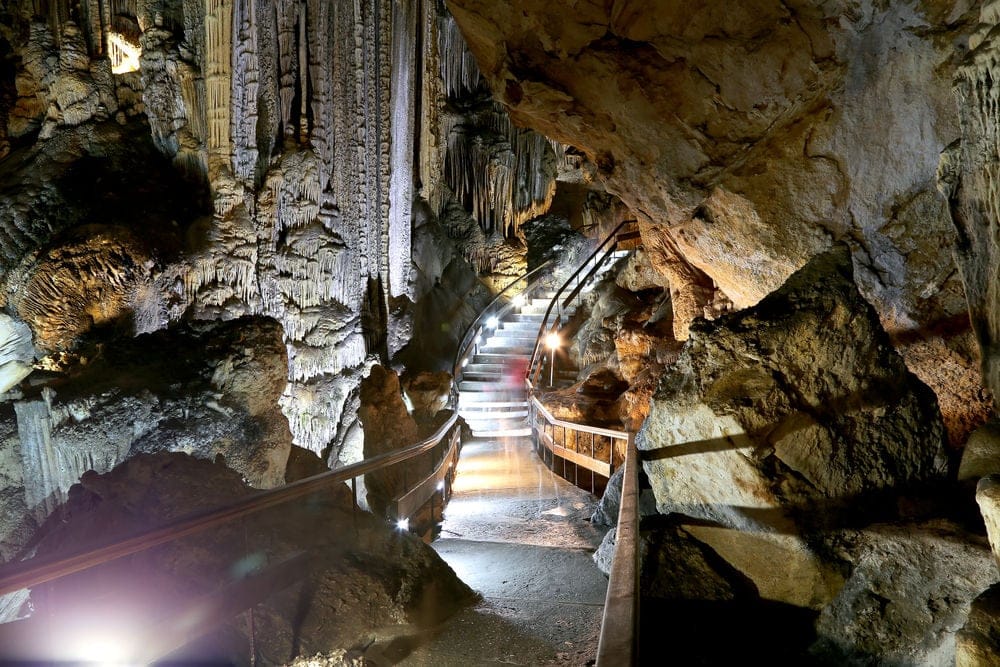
[51,467]
[401,168]
[218,80]
[287,41]
[504,175]
[244,84]
[459,69]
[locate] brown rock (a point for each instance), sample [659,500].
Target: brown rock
[428,393]
[387,426]
[977,644]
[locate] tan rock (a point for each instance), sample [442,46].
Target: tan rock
[387,426]
[803,580]
[981,454]
[988,498]
[977,644]
[799,400]
[428,392]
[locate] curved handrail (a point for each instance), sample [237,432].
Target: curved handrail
[477,324]
[619,640]
[534,365]
[23,574]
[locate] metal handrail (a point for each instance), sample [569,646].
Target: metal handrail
[619,640]
[534,364]
[618,643]
[478,328]
[23,574]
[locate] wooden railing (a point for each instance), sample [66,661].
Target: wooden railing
[619,641]
[596,450]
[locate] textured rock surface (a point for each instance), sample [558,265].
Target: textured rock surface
[753,134]
[981,454]
[747,140]
[387,426]
[354,582]
[210,393]
[797,402]
[976,644]
[988,498]
[968,178]
[909,591]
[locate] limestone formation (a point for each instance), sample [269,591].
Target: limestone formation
[797,404]
[988,498]
[909,591]
[968,179]
[976,643]
[428,393]
[981,454]
[387,426]
[211,393]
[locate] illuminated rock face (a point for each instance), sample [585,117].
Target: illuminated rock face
[208,393]
[797,403]
[970,176]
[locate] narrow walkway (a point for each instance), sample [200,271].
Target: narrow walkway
[520,536]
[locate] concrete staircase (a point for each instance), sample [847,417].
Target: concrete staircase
[492,397]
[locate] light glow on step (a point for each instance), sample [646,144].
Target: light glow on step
[493,322]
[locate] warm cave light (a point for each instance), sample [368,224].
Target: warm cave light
[403,524]
[441,486]
[553,341]
[492,322]
[124,55]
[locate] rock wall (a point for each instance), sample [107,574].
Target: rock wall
[969,179]
[748,139]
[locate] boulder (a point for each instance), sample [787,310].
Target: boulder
[977,644]
[909,591]
[988,498]
[787,412]
[428,393]
[981,454]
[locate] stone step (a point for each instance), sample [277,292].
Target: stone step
[502,433]
[468,397]
[512,350]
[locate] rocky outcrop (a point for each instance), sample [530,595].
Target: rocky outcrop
[427,392]
[359,574]
[387,426]
[909,591]
[210,392]
[968,178]
[751,135]
[748,140]
[976,643]
[797,405]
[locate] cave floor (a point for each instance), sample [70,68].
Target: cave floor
[521,537]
